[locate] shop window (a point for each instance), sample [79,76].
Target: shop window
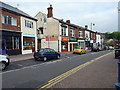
[12,42]
[9,44]
[3,45]
[16,42]
[28,43]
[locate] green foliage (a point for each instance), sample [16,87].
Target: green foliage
[114,35]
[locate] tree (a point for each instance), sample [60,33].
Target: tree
[116,36]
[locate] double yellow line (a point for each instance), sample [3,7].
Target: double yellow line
[58,78]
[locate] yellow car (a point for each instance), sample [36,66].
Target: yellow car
[79,50]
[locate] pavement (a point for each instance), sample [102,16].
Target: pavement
[99,74]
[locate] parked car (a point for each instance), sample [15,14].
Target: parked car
[79,50]
[111,48]
[4,61]
[117,53]
[45,54]
[95,48]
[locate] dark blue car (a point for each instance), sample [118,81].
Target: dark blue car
[45,54]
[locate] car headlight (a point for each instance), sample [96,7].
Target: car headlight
[117,51]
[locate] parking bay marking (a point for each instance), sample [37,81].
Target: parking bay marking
[68,73]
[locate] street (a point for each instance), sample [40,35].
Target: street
[34,74]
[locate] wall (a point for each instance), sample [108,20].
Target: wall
[10,27]
[52,27]
[30,31]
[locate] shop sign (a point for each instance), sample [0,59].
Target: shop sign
[72,39]
[94,41]
[51,38]
[91,41]
[65,38]
[29,34]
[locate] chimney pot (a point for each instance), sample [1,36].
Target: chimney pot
[67,21]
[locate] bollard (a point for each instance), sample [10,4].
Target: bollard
[117,85]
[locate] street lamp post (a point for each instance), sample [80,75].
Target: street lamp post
[117,85]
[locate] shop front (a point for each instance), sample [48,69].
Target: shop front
[11,42]
[81,43]
[28,43]
[73,42]
[92,42]
[64,44]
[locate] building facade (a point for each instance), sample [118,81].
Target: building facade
[13,31]
[63,36]
[41,29]
[29,35]
[119,16]
[10,31]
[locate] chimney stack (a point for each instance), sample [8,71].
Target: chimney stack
[50,11]
[67,21]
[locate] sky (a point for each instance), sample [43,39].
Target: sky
[102,13]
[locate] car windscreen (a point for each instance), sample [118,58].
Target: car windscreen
[40,50]
[77,47]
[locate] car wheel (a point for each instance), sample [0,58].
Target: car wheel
[36,59]
[80,53]
[58,57]
[3,65]
[45,58]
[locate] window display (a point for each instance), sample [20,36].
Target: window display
[28,43]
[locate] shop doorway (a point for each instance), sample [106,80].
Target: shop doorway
[64,46]
[3,46]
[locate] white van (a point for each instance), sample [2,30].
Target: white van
[4,61]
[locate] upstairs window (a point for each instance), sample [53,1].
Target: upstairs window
[28,24]
[45,20]
[9,20]
[80,34]
[63,31]
[86,35]
[71,32]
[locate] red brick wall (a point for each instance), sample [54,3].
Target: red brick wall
[76,32]
[6,26]
[68,30]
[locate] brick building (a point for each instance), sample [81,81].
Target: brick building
[11,29]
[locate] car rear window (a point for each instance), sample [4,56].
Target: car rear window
[40,50]
[77,47]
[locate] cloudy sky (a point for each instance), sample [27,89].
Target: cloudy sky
[103,13]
